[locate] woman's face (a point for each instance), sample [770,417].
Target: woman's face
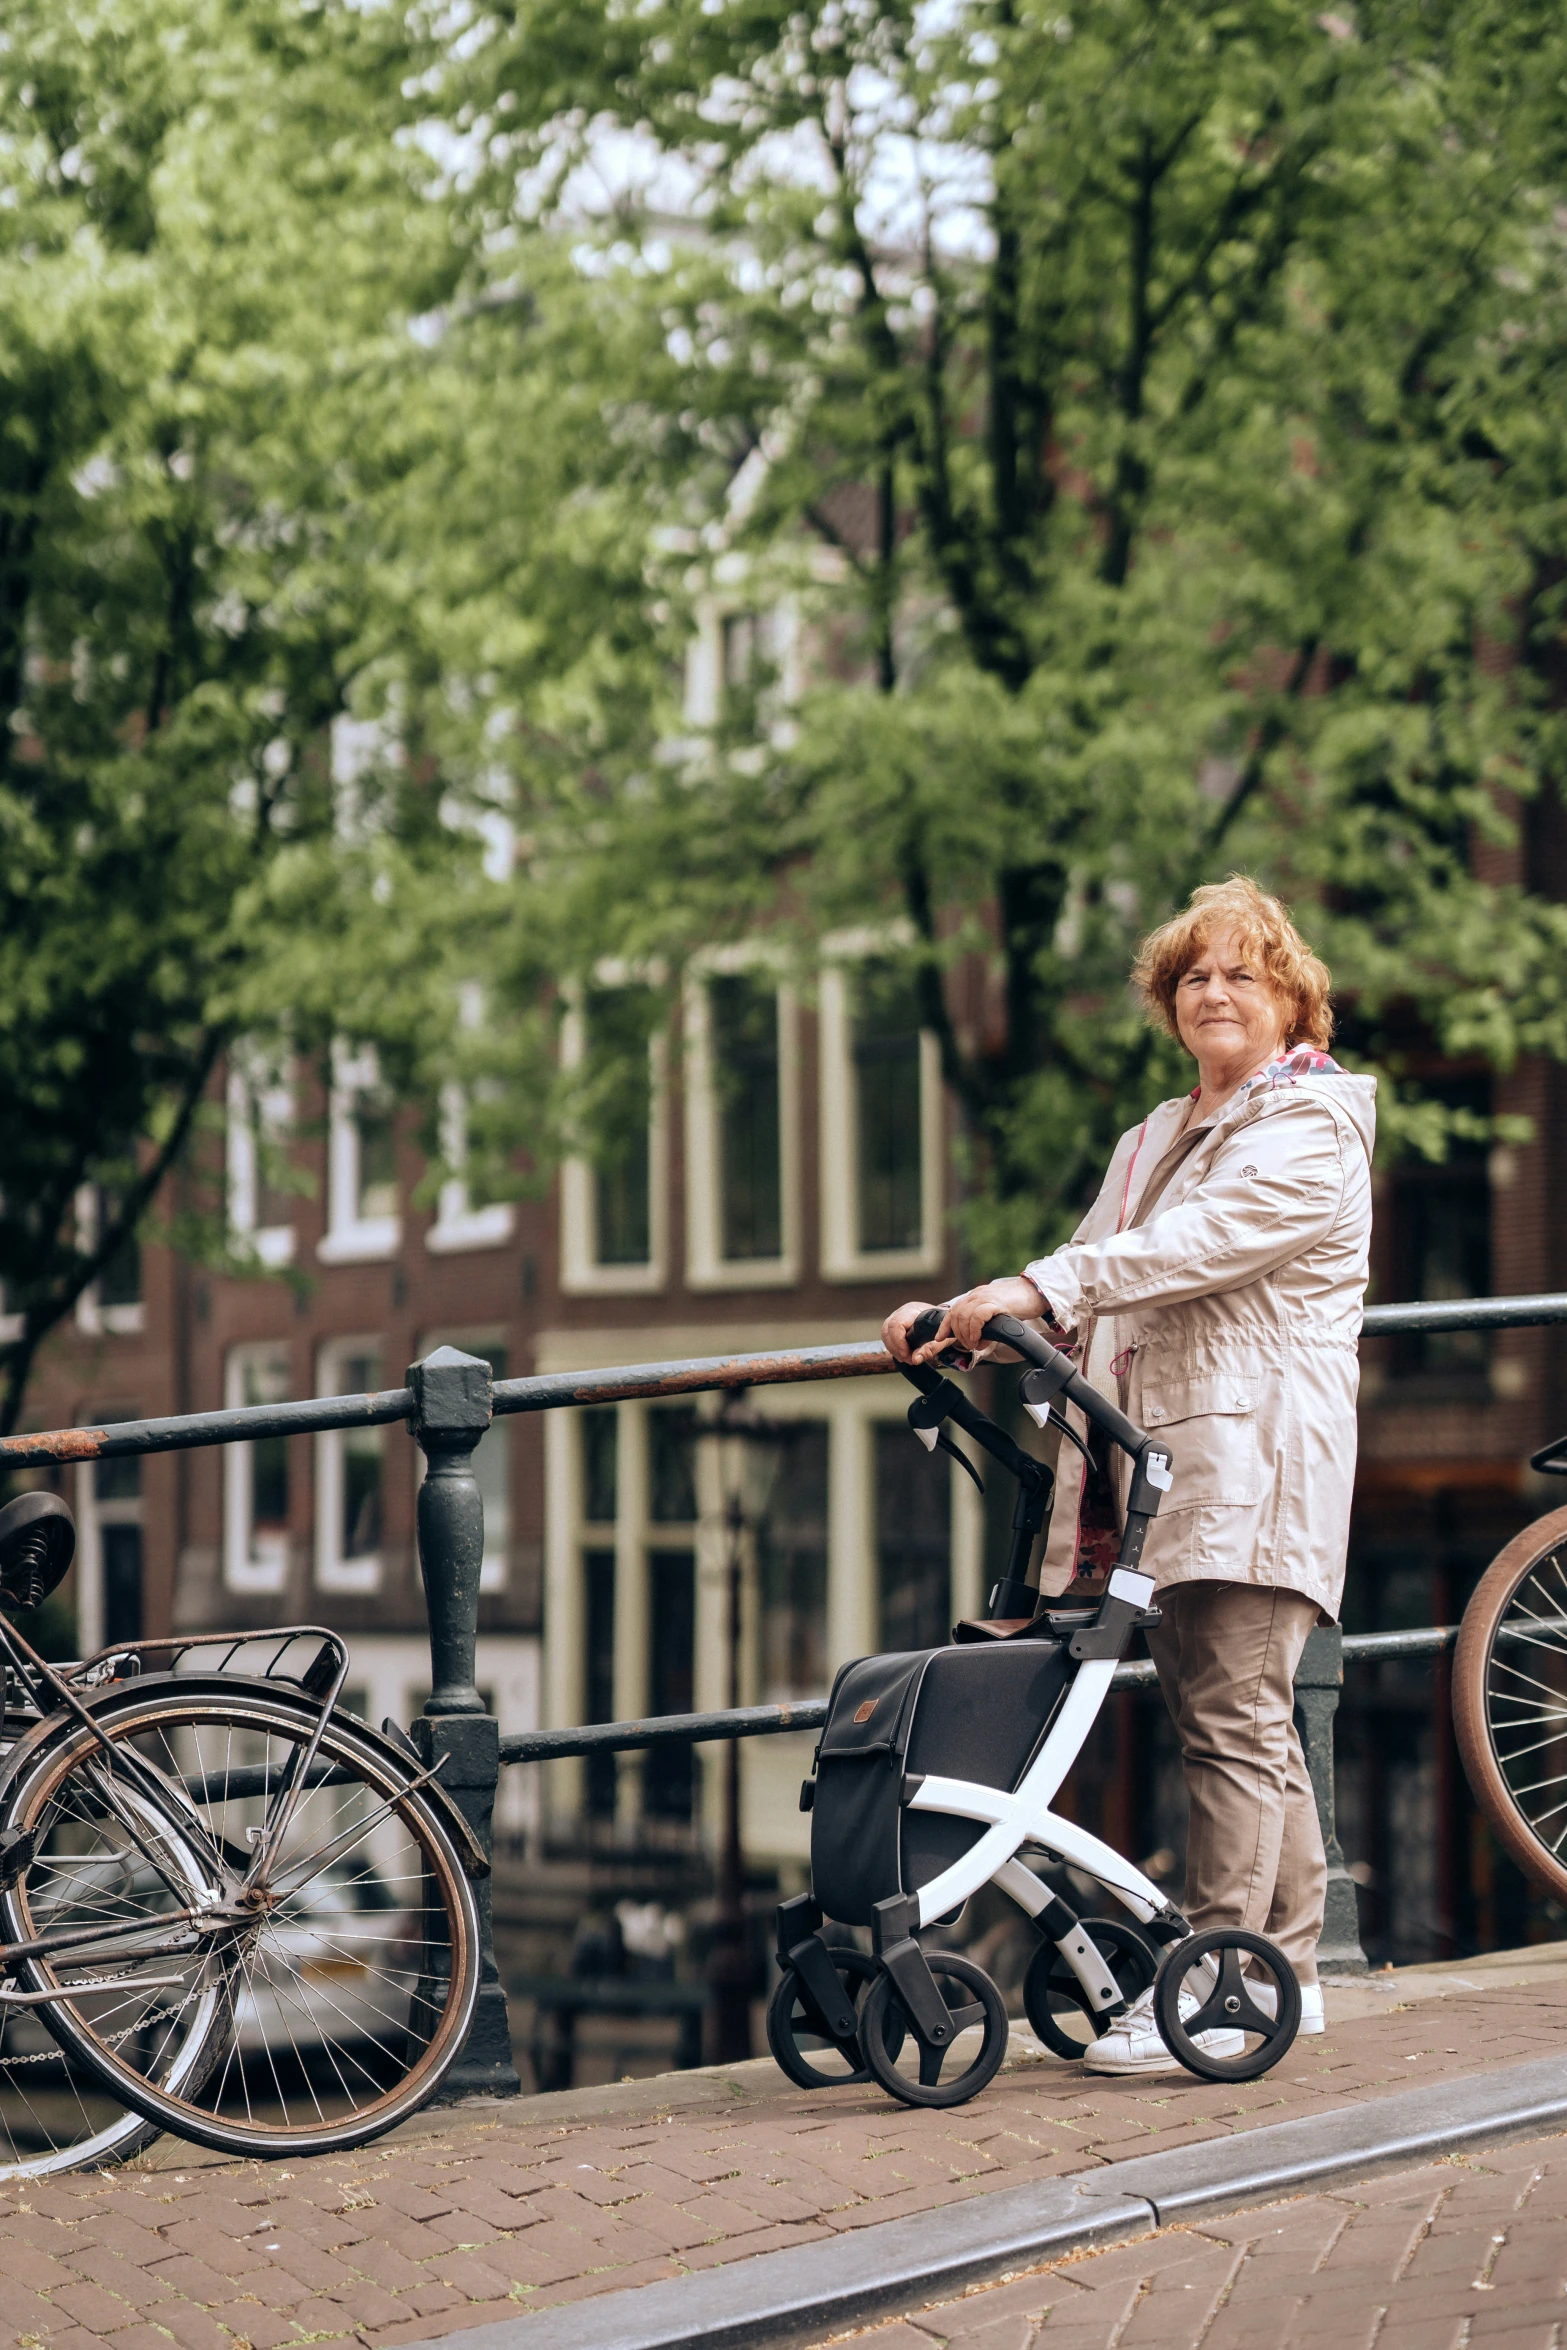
[1225,1008]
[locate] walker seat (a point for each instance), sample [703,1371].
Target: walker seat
[937,1766]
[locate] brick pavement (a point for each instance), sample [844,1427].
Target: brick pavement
[488,2208]
[1468,2250]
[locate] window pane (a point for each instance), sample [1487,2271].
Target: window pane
[119,1284]
[669,1774]
[618,1022]
[792,1572]
[377,1194]
[1442,1239]
[886,1051]
[598,1574]
[671,1436]
[744,1020]
[264,1378]
[913,1540]
[360,1527]
[600,1442]
[116,1480]
[122,1609]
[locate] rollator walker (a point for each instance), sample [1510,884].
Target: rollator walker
[938,1768]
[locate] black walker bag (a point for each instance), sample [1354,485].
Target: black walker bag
[976,1713]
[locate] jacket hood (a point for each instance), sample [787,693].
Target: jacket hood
[1354,1098]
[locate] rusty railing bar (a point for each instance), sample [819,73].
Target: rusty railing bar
[705,1374]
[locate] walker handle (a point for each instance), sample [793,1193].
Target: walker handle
[1006,1330]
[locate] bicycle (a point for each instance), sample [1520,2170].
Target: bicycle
[239,1913]
[1510,1691]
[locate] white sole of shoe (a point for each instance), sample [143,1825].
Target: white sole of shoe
[1224,2044]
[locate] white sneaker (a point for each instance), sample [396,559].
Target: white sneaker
[1132,2043]
[1313,2016]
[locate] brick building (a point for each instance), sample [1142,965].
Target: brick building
[792,1185]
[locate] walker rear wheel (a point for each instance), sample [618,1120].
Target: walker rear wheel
[1203,1975]
[799,2038]
[1059,2009]
[910,2068]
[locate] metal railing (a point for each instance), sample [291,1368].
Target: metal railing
[448,1404]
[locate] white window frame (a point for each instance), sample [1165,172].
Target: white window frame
[240,1572]
[334,1573]
[271,1244]
[495,1564]
[459,1225]
[92,1516]
[95,1319]
[842,1258]
[581,1274]
[737,593]
[706,1269]
[352,1239]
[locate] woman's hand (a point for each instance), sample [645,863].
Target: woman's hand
[963,1321]
[895,1330]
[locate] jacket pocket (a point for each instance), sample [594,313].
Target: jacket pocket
[1211,1424]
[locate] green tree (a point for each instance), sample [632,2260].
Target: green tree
[220,233]
[1155,411]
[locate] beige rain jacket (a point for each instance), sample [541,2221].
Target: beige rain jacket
[1228,1321]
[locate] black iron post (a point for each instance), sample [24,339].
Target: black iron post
[451,1393]
[729,1967]
[1318,1679]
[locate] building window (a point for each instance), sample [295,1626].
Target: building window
[255,1476]
[880,1125]
[260,1118]
[600,1465]
[913,1504]
[612,1196]
[362,1213]
[598,1693]
[671,1455]
[350,1475]
[113,1302]
[742,1132]
[669,1775]
[1441,1240]
[459,1225]
[109,1524]
[791,1571]
[743,1011]
[886,1053]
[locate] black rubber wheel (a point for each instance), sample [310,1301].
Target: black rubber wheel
[972,1998]
[1227,2004]
[794,2021]
[1053,1997]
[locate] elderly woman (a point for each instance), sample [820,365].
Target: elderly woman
[1215,1290]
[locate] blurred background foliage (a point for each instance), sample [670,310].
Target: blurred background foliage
[1153,414]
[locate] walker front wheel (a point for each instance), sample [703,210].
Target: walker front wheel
[1200,1993]
[800,2040]
[1058,2008]
[910,2068]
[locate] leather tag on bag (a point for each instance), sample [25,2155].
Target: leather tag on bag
[863,1713]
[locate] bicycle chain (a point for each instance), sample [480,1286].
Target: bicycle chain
[159,2015]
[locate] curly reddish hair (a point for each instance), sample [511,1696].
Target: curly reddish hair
[1300,979]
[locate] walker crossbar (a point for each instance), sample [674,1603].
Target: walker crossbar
[937,1768]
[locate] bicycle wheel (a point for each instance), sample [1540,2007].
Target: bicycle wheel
[1510,1699]
[338,1924]
[55,2113]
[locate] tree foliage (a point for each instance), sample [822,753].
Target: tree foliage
[216,235]
[1155,412]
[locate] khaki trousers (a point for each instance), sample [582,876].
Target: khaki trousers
[1226,1655]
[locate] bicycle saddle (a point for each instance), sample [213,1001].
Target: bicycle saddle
[37,1544]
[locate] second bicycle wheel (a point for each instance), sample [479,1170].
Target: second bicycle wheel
[55,2113]
[1510,1699]
[338,1928]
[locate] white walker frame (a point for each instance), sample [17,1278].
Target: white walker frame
[1025,1817]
